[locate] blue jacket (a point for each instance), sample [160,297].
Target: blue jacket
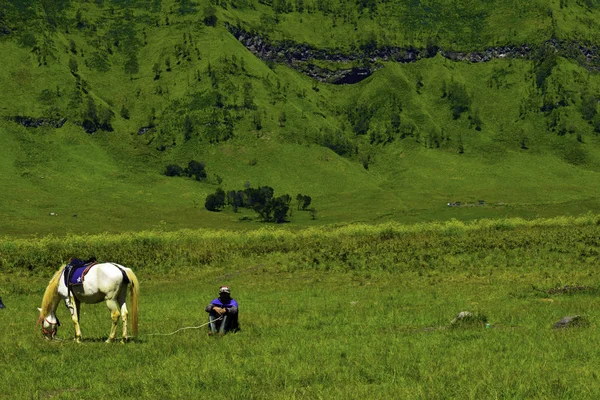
[231,306]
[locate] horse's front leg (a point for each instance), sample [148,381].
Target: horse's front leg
[113,306]
[74,307]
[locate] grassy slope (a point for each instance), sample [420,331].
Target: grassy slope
[113,181]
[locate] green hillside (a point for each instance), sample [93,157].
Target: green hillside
[497,110]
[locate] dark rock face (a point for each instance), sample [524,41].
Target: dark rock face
[31,122]
[299,56]
[296,54]
[338,77]
[355,75]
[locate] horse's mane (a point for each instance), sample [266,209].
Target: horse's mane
[51,294]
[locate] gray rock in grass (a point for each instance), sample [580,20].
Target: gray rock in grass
[571,321]
[468,319]
[463,315]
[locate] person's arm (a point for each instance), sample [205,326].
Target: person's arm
[233,308]
[213,304]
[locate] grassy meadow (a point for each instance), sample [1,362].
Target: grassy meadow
[355,311]
[352,299]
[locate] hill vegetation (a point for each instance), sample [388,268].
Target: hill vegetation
[493,106]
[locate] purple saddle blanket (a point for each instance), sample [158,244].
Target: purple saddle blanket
[75,271]
[77,276]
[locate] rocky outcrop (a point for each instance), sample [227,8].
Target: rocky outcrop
[302,56]
[32,122]
[145,129]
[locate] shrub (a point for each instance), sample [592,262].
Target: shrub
[196,169]
[215,201]
[459,98]
[173,170]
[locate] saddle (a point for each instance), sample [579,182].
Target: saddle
[75,271]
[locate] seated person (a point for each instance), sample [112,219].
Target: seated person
[222,313]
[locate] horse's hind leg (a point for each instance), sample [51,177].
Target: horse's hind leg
[124,313]
[113,306]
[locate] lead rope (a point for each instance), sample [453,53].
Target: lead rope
[187,327]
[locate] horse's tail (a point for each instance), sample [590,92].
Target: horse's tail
[134,292]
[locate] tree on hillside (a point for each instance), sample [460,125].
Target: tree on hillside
[188,128]
[228,125]
[173,170]
[105,116]
[476,120]
[362,125]
[395,122]
[257,120]
[282,119]
[258,197]
[272,209]
[235,199]
[596,124]
[131,66]
[303,201]
[215,201]
[589,106]
[72,46]
[459,98]
[299,199]
[73,67]
[280,207]
[124,112]
[196,169]
[186,7]
[545,60]
[156,70]
[360,118]
[248,96]
[210,16]
[91,112]
[337,141]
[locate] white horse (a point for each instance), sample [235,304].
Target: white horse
[105,281]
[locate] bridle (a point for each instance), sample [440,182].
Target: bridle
[51,333]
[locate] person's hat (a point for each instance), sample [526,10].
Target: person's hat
[224,289]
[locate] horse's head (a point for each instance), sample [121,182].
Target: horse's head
[50,325]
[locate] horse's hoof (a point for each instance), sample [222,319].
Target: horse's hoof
[109,340]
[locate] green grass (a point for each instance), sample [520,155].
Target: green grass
[465,26]
[355,303]
[352,312]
